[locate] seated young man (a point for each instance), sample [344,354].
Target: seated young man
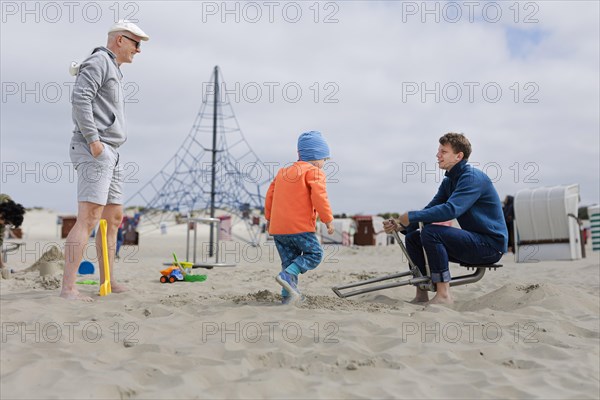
[465,194]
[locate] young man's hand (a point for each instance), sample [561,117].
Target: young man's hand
[394,225]
[390,226]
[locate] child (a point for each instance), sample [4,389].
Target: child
[293,200]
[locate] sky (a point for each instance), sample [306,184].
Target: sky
[382,80]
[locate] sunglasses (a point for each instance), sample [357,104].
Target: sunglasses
[137,44]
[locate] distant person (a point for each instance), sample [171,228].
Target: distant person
[120,237]
[508,210]
[99,118]
[468,195]
[295,197]
[11,215]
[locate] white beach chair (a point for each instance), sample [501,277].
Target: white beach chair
[546,224]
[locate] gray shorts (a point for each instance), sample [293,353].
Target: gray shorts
[100,179]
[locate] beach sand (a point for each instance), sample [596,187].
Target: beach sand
[524,331]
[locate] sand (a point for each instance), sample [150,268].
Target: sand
[524,331]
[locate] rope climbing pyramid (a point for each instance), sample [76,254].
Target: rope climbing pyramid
[204,177]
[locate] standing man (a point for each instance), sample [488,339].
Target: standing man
[468,195]
[98,114]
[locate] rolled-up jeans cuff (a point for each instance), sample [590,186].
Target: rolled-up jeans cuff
[443,276]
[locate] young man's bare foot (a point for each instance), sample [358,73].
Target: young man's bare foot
[118,288]
[75,295]
[437,299]
[422,296]
[420,299]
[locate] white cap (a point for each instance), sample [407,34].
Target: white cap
[125,25]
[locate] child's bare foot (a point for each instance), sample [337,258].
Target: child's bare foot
[75,295]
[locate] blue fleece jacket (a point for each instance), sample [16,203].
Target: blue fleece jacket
[468,195]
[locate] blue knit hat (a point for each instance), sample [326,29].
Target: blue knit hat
[312,146]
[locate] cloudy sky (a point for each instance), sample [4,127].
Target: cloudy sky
[382,81]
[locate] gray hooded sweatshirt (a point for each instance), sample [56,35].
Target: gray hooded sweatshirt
[98,103]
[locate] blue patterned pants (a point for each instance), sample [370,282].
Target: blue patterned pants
[302,249]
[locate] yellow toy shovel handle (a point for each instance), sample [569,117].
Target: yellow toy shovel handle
[179,265]
[105,288]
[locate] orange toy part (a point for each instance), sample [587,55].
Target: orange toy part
[167,272]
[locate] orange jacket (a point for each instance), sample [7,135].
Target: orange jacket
[294,198]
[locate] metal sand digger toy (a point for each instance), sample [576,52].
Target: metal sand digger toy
[415,277]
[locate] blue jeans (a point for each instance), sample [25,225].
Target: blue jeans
[443,244]
[302,249]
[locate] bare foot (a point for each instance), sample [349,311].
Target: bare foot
[75,295]
[421,296]
[437,299]
[420,299]
[118,288]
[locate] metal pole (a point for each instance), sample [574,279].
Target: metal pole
[214,160]
[195,239]
[187,242]
[218,233]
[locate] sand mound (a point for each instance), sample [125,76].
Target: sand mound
[312,302]
[513,297]
[262,296]
[48,282]
[338,304]
[50,263]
